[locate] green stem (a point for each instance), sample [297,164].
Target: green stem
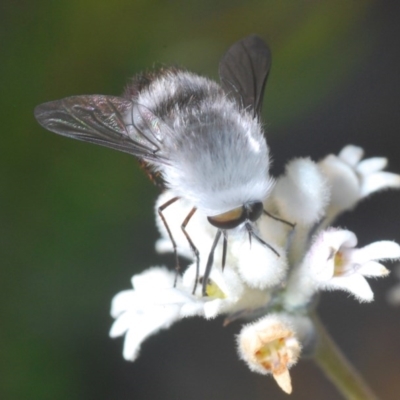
[338,369]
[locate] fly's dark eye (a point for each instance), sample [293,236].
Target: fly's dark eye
[254,211]
[229,220]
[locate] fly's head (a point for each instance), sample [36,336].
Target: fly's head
[247,213]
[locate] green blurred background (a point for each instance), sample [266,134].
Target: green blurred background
[77,220]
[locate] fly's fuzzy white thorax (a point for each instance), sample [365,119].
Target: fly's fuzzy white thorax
[222,163]
[218,157]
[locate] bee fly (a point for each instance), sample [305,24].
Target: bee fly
[203,139]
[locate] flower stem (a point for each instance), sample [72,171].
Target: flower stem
[338,369]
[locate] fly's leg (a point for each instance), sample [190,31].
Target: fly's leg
[192,246]
[210,262]
[251,232]
[160,213]
[224,249]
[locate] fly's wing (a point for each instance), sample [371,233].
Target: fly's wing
[104,120]
[243,71]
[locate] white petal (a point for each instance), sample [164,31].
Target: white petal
[164,245]
[373,269]
[318,265]
[321,269]
[343,182]
[228,281]
[334,240]
[131,346]
[338,238]
[371,165]
[378,181]
[354,284]
[134,339]
[122,324]
[192,309]
[122,301]
[153,278]
[258,265]
[383,250]
[155,304]
[140,301]
[213,308]
[172,297]
[146,326]
[284,382]
[351,154]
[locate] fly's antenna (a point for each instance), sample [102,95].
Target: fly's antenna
[279,219]
[251,232]
[210,262]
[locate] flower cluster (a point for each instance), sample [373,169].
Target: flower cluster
[304,255]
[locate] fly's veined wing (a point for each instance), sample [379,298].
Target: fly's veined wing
[101,120]
[243,71]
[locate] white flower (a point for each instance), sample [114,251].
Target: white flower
[271,346]
[333,262]
[155,303]
[351,179]
[300,197]
[290,256]
[225,291]
[152,305]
